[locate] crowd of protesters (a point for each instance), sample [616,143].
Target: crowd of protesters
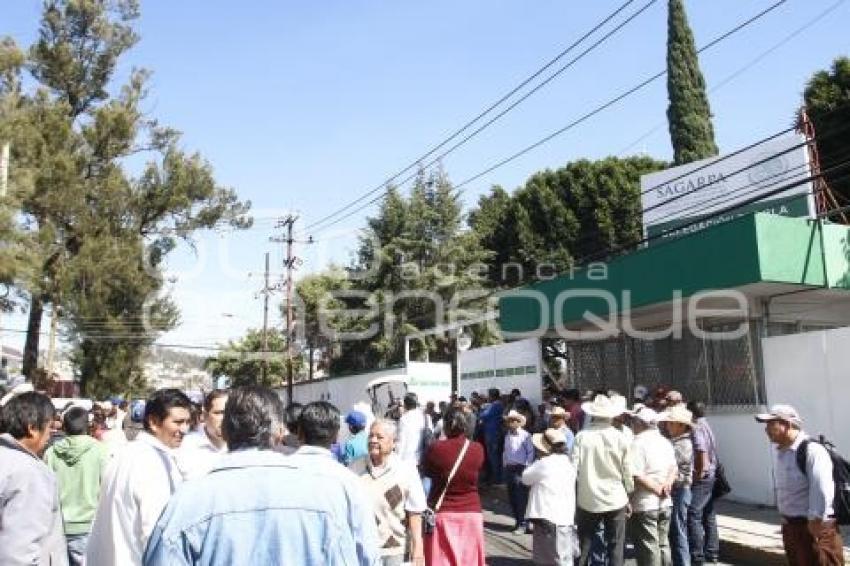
[242,479]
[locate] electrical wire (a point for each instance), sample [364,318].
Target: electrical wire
[493,106]
[582,118]
[99,327]
[746,67]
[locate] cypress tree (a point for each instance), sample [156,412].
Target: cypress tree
[688,115]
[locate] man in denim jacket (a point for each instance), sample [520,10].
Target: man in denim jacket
[260,507]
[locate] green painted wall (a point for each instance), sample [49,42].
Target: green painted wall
[837,244]
[750,249]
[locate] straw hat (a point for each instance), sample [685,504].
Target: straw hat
[645,415]
[559,412]
[544,441]
[603,407]
[513,415]
[677,414]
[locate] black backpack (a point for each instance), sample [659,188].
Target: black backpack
[840,475]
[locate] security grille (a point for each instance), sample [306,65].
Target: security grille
[714,367]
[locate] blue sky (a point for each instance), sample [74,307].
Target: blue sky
[304,105]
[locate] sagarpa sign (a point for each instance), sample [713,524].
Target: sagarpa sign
[698,190]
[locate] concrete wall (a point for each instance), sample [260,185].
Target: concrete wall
[745,453]
[809,371]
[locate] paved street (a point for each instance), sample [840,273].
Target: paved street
[504,548]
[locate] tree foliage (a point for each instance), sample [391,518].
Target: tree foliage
[689,114]
[241,361]
[827,98]
[416,267]
[97,233]
[561,217]
[318,312]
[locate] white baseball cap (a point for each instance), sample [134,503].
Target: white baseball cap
[785,413]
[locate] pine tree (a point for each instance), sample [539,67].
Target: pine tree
[96,236]
[421,247]
[689,114]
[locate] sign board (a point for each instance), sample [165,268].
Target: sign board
[696,192]
[506,366]
[430,381]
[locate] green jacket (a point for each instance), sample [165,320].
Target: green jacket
[78,462]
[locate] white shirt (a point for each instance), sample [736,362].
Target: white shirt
[410,427]
[652,457]
[197,454]
[135,490]
[553,490]
[799,495]
[603,459]
[119,419]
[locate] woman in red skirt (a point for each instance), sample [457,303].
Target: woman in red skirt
[453,465]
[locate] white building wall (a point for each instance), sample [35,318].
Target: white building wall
[810,371]
[745,454]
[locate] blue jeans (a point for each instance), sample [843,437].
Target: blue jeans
[517,492]
[77,549]
[679,526]
[493,443]
[702,523]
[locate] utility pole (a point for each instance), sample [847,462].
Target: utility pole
[264,369]
[51,346]
[4,184]
[289,262]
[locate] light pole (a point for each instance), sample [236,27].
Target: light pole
[463,342]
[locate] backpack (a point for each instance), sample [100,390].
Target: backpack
[840,475]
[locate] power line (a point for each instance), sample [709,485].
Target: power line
[125,329]
[496,104]
[586,259]
[585,116]
[646,82]
[671,232]
[817,139]
[707,204]
[746,67]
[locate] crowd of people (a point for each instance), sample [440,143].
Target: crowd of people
[244,480]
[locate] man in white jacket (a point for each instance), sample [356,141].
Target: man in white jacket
[411,431]
[139,483]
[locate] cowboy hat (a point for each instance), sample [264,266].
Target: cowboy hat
[516,416]
[544,441]
[677,414]
[603,407]
[620,403]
